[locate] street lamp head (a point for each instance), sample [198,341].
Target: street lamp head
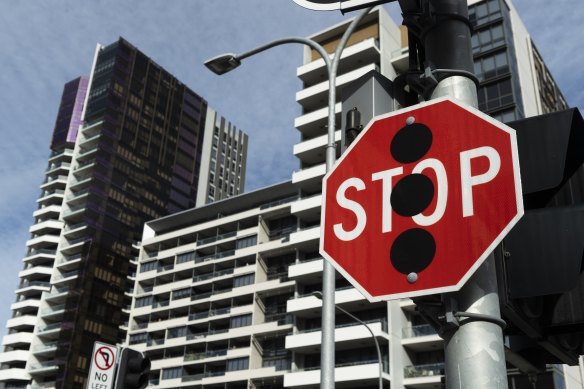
[223,63]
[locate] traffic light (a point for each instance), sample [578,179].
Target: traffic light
[133,369]
[539,264]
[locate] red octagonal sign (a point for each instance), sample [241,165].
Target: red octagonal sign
[420,199]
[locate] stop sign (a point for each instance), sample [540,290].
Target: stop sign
[420,199]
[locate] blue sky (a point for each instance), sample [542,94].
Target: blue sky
[47,43]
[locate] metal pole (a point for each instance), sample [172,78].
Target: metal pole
[474,351]
[327,353]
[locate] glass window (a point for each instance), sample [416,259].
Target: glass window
[185,257]
[238,364]
[174,372]
[148,266]
[177,332]
[248,241]
[247,279]
[240,321]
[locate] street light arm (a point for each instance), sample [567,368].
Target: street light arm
[224,63]
[293,39]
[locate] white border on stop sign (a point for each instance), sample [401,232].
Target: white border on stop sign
[490,248]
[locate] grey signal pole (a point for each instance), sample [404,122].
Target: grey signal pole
[474,351]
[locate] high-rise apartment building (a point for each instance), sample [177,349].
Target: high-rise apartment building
[130,144]
[224,293]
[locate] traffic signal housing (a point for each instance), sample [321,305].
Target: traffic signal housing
[133,369]
[539,264]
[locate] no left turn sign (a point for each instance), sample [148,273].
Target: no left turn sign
[103,361]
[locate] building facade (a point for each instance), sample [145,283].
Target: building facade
[135,152]
[224,294]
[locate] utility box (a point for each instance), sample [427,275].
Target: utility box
[368,96]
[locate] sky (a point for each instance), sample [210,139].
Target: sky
[44,44]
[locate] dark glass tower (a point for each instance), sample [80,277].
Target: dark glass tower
[137,158]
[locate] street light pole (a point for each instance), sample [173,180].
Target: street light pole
[227,62]
[318,295]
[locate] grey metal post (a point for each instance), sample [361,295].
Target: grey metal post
[474,352]
[327,353]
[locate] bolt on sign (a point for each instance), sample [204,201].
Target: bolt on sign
[420,199]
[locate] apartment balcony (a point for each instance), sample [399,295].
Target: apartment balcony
[42,241]
[313,151]
[43,385]
[40,256]
[21,322]
[351,375]
[49,212]
[352,58]
[421,338]
[400,60]
[64,155]
[93,129]
[305,305]
[36,272]
[42,368]
[54,182]
[74,231]
[313,124]
[309,179]
[26,305]
[50,331]
[427,376]
[14,374]
[32,288]
[45,349]
[51,197]
[68,263]
[46,227]
[65,278]
[78,185]
[61,166]
[52,312]
[17,339]
[316,96]
[305,235]
[86,153]
[57,295]
[88,141]
[307,270]
[14,356]
[74,246]
[351,334]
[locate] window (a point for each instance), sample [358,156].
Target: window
[181,293]
[148,266]
[139,338]
[248,279]
[238,364]
[495,95]
[488,39]
[248,241]
[177,332]
[143,301]
[185,257]
[168,374]
[492,66]
[240,321]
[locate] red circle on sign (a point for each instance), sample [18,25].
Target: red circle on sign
[107,358]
